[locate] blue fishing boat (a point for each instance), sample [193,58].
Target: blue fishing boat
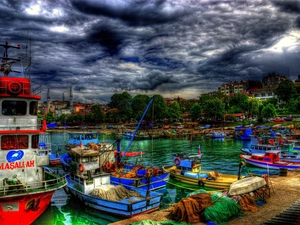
[89,184]
[218,135]
[84,137]
[136,174]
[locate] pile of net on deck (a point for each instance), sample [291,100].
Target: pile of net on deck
[201,206]
[153,222]
[116,193]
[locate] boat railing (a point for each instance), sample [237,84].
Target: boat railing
[52,182]
[16,123]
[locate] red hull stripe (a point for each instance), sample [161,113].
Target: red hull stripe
[30,207]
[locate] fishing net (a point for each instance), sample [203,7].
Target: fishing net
[190,209]
[223,209]
[115,193]
[152,222]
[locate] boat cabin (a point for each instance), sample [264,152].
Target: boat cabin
[188,162]
[83,137]
[269,156]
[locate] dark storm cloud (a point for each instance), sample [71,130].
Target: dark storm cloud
[291,6]
[169,47]
[134,13]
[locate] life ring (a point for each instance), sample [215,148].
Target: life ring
[177,161]
[281,141]
[81,167]
[200,183]
[150,171]
[271,141]
[108,165]
[14,87]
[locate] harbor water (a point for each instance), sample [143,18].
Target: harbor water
[221,155]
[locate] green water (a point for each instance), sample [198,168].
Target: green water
[217,155]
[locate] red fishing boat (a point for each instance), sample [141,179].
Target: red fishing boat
[27,183]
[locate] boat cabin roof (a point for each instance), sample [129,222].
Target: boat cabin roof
[82,152]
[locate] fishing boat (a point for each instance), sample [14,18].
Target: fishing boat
[187,169]
[83,138]
[219,135]
[27,182]
[269,160]
[260,146]
[92,186]
[136,174]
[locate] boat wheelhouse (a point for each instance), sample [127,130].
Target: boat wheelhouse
[28,184]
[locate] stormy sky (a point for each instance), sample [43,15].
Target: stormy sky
[169,47]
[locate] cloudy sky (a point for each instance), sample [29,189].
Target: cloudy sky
[169,47]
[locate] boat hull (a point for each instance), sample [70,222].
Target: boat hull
[223,181]
[127,208]
[156,182]
[266,165]
[24,209]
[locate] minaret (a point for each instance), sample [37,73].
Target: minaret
[63,97]
[48,100]
[71,98]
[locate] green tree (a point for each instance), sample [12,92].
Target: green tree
[268,111]
[98,114]
[239,102]
[254,105]
[214,108]
[50,117]
[160,107]
[139,104]
[286,90]
[195,111]
[123,103]
[174,111]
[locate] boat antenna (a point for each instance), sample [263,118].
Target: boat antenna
[6,61]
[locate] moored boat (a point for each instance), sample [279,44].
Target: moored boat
[91,185]
[269,160]
[28,184]
[82,138]
[187,169]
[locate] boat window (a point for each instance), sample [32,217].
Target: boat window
[85,159]
[35,141]
[9,142]
[33,106]
[12,108]
[94,158]
[94,136]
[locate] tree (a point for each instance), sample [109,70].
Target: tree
[286,90]
[268,111]
[239,102]
[254,105]
[160,107]
[214,108]
[123,103]
[50,117]
[195,111]
[174,111]
[98,114]
[139,104]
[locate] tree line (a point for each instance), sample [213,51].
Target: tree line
[211,106]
